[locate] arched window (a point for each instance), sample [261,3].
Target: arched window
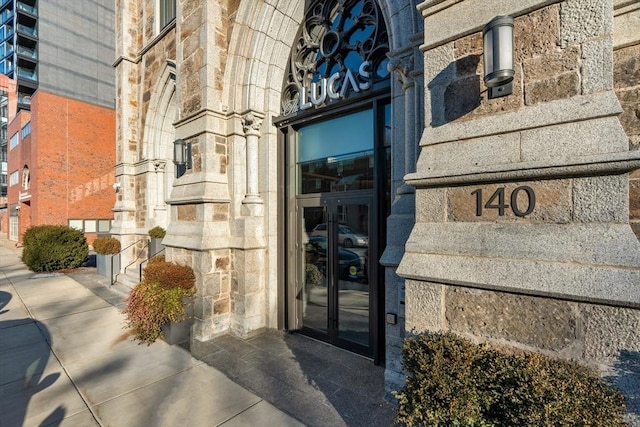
[25,177]
[341,48]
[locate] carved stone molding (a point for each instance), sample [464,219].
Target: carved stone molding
[159,165]
[404,68]
[251,124]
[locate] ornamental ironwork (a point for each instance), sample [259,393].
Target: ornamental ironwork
[341,49]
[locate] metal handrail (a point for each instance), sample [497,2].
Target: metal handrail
[114,277]
[137,257]
[146,261]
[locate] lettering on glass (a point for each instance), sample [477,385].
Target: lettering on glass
[498,201]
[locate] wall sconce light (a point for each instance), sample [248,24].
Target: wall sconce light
[179,152]
[497,36]
[116,187]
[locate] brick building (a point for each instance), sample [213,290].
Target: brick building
[61,147]
[8,104]
[348,176]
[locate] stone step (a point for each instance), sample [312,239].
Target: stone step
[128,280]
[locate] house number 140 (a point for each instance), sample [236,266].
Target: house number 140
[498,198]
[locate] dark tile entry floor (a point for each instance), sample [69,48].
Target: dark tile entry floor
[316,383]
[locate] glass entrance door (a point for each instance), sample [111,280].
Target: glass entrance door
[337,178]
[335,270]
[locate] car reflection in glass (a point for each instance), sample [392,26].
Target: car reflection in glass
[347,236]
[349,262]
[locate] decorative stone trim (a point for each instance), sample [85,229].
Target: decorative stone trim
[251,124]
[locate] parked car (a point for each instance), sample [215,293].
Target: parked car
[349,263]
[347,236]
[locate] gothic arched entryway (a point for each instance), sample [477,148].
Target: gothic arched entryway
[335,123]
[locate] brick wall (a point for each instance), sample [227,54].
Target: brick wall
[73,156]
[17,158]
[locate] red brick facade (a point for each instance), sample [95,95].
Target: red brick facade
[70,154]
[9,86]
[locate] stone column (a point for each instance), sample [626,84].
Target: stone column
[403,66]
[252,205]
[159,207]
[406,101]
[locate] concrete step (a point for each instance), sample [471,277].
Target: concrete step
[128,280]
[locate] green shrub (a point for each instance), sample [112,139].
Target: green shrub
[54,247]
[158,299]
[157,232]
[452,382]
[106,245]
[312,276]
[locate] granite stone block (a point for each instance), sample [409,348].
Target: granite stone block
[581,20]
[601,199]
[424,313]
[551,64]
[597,65]
[610,332]
[540,323]
[562,86]
[553,202]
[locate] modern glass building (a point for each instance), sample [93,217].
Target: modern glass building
[19,46]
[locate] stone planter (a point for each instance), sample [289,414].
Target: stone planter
[105,263]
[155,247]
[179,332]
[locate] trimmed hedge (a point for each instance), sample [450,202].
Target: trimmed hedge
[157,232]
[452,382]
[169,275]
[54,247]
[106,245]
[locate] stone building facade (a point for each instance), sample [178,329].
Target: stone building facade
[261,92]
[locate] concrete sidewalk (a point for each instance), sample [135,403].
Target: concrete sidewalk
[66,359]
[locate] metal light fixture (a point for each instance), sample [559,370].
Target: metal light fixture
[179,152]
[497,36]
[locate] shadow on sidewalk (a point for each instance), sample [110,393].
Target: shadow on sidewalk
[314,382]
[24,357]
[625,376]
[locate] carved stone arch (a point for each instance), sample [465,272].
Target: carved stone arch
[261,57]
[161,114]
[260,45]
[257,56]
[157,147]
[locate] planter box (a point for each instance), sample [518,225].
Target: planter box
[104,263]
[179,332]
[155,247]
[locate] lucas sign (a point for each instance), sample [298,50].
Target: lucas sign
[337,86]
